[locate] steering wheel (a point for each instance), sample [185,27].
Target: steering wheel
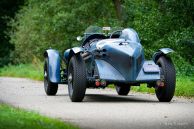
[114,32]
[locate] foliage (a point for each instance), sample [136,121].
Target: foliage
[7,11]
[15,118]
[32,71]
[56,23]
[161,23]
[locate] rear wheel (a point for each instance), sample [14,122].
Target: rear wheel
[50,88]
[76,78]
[123,90]
[168,75]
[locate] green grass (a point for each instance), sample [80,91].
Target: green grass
[32,71]
[184,87]
[184,84]
[14,118]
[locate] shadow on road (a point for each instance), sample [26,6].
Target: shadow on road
[113,98]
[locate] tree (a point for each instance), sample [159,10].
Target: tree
[56,23]
[8,9]
[118,8]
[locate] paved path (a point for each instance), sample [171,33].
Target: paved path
[101,109]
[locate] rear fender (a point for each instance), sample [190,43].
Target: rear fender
[162,52]
[54,65]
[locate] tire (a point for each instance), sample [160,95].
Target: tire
[77,81]
[50,88]
[166,93]
[123,90]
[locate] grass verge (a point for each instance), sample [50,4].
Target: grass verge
[184,84]
[32,71]
[184,87]
[14,118]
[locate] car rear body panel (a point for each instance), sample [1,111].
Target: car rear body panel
[123,61]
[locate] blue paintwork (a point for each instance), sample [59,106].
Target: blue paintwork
[70,52]
[122,55]
[111,73]
[118,59]
[130,34]
[77,50]
[166,50]
[54,65]
[149,72]
[67,55]
[124,59]
[161,52]
[150,67]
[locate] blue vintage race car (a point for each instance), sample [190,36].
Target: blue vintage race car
[109,56]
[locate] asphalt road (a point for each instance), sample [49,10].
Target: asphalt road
[101,109]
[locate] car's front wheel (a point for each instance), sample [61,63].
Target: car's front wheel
[165,92]
[123,90]
[76,78]
[50,88]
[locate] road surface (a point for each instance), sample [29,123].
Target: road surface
[101,109]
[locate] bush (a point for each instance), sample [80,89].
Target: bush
[55,23]
[40,25]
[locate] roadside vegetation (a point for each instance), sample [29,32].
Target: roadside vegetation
[184,87]
[31,71]
[184,84]
[39,25]
[15,118]
[30,27]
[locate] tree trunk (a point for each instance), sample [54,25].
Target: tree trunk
[118,8]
